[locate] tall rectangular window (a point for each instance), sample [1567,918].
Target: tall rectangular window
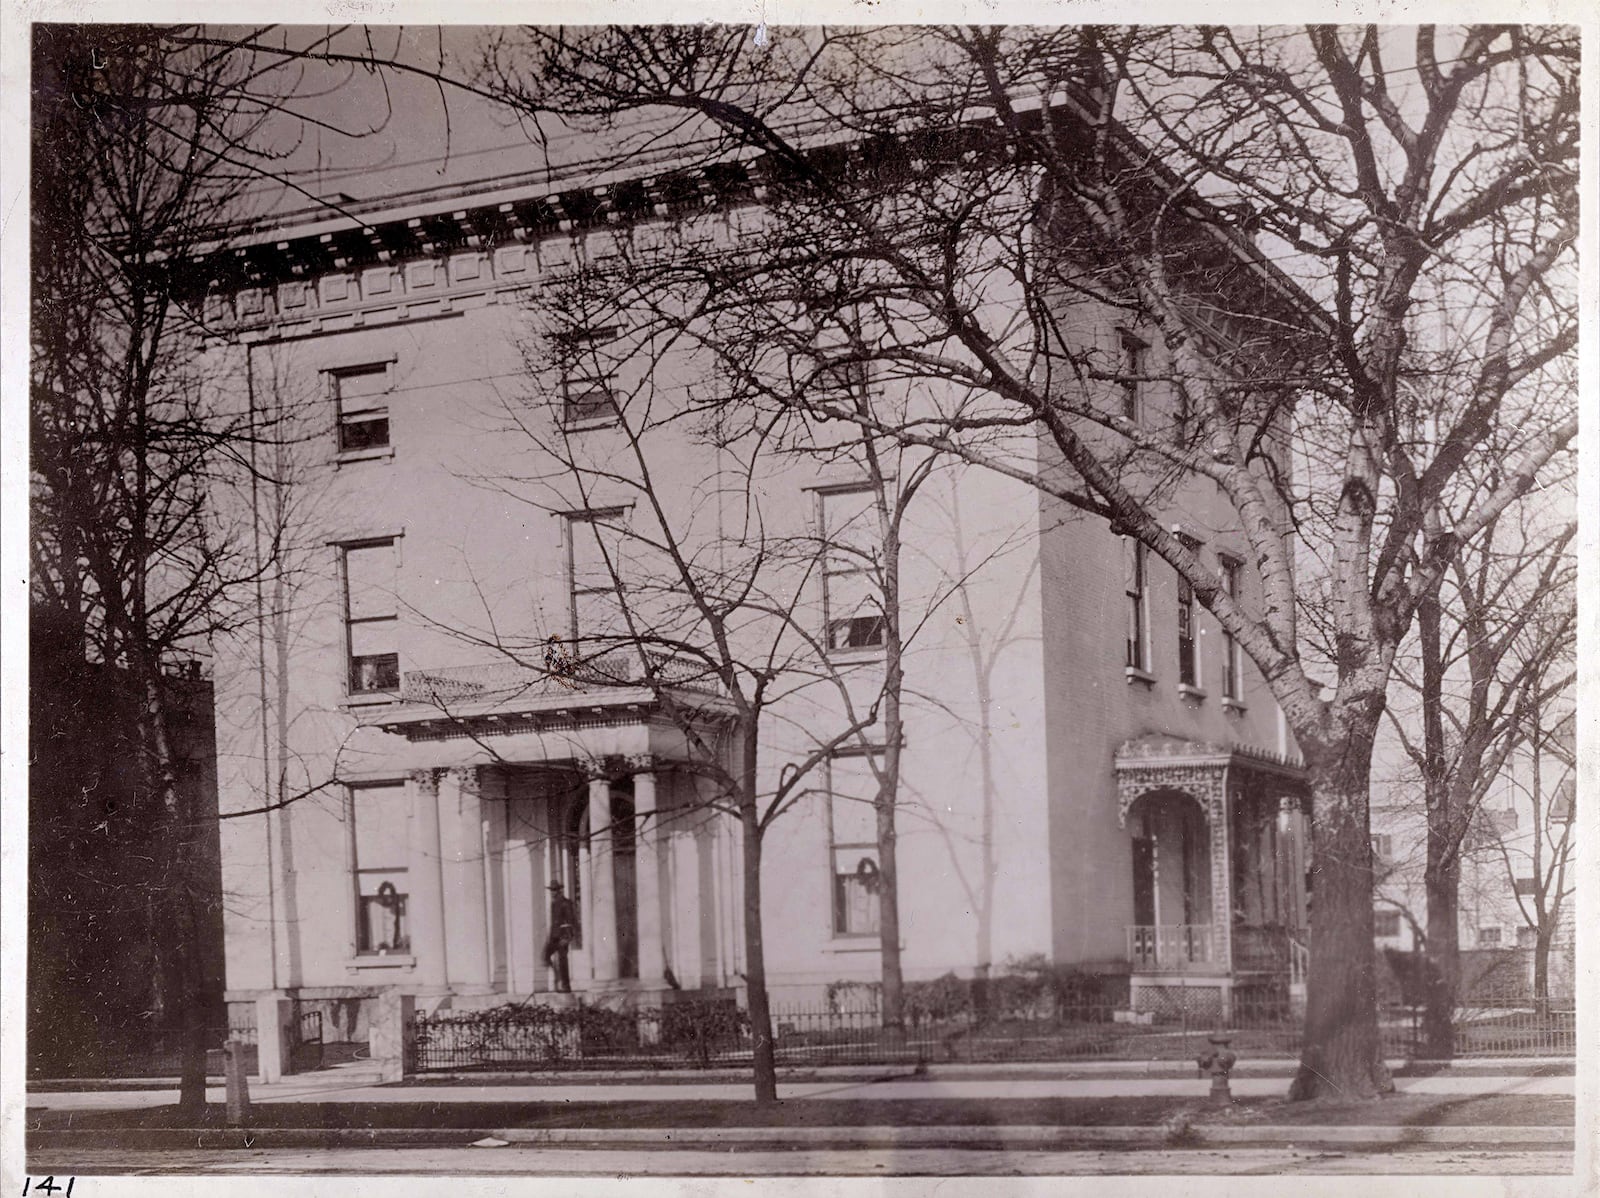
[1188,664]
[1232,660]
[852,789]
[1134,584]
[1135,360]
[372,621]
[379,817]
[594,572]
[852,544]
[361,397]
[588,375]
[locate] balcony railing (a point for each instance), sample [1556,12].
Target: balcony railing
[565,672]
[1173,948]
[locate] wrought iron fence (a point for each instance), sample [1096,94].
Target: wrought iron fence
[699,1035]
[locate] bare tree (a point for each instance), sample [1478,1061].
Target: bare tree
[146,478]
[1492,638]
[988,194]
[1538,867]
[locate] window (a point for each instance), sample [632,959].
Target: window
[372,624]
[594,572]
[1526,886]
[379,818]
[587,376]
[1488,937]
[851,543]
[1386,923]
[1232,663]
[1381,845]
[852,788]
[1527,937]
[1134,570]
[361,397]
[1188,652]
[1135,359]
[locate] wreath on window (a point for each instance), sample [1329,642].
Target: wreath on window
[868,875]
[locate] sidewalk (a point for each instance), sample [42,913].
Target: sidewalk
[356,1083]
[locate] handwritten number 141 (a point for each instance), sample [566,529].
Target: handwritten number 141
[48,1186]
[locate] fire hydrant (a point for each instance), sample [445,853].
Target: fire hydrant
[1218,1063]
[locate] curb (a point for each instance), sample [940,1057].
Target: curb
[971,1137]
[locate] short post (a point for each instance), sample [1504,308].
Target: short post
[274,1037]
[386,1033]
[1219,1064]
[238,1083]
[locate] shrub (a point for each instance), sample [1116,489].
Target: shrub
[942,999]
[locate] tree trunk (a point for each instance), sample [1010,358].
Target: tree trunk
[889,919]
[1541,970]
[1442,961]
[181,937]
[1342,1054]
[763,1060]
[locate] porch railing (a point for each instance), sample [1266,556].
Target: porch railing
[1177,947]
[567,668]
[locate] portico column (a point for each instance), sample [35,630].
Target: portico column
[425,901]
[602,937]
[647,863]
[466,898]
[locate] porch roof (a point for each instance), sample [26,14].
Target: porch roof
[505,698]
[1159,761]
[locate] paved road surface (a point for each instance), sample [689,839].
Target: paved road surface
[469,1162]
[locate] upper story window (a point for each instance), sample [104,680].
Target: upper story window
[1488,937]
[1386,922]
[852,543]
[588,375]
[1135,362]
[853,835]
[1232,659]
[1134,570]
[372,620]
[1382,847]
[361,398]
[379,815]
[1188,647]
[595,573]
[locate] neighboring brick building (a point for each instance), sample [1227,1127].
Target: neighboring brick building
[1125,801]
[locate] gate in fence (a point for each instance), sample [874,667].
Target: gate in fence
[305,1051]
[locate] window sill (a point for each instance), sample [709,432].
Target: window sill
[867,653]
[363,455]
[382,961]
[377,699]
[1233,705]
[1191,692]
[1135,674]
[867,943]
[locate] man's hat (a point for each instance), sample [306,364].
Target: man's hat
[554,886]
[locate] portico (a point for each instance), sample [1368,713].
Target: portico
[535,780]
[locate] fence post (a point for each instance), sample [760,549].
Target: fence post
[386,1033]
[274,1037]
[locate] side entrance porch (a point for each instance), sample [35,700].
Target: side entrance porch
[1218,836]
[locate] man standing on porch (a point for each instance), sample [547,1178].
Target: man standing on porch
[563,930]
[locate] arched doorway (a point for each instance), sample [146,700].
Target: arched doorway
[1172,925]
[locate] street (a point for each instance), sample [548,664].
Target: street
[935,1162]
